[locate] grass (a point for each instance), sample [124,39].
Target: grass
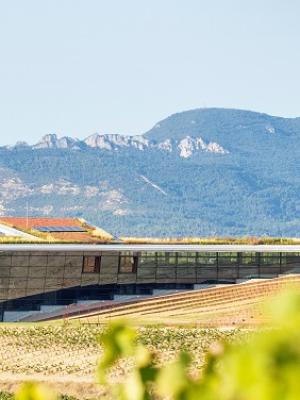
[6,396]
[100,234]
[17,240]
[212,240]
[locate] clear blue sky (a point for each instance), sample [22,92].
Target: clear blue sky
[76,67]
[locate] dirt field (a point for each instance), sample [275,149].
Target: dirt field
[65,353]
[66,356]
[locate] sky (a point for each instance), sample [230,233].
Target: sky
[76,67]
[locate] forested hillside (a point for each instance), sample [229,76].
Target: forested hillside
[200,172]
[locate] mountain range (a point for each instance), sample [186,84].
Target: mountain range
[202,172]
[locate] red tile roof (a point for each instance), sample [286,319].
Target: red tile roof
[80,237]
[29,223]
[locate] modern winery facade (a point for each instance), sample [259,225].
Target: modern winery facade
[36,275]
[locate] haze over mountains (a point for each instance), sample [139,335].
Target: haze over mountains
[199,172]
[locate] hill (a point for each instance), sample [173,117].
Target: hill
[202,172]
[228,305]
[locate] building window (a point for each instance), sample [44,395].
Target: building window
[171,259]
[270,259]
[128,263]
[91,264]
[247,258]
[207,259]
[227,259]
[290,259]
[186,259]
[166,259]
[147,259]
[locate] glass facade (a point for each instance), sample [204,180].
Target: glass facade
[130,262]
[29,279]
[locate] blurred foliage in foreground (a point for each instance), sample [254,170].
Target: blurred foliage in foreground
[264,367]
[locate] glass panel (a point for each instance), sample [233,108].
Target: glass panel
[248,258]
[207,258]
[147,258]
[270,259]
[291,258]
[166,258]
[182,258]
[171,259]
[227,259]
[161,258]
[204,272]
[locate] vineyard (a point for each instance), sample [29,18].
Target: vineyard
[65,356]
[236,305]
[183,335]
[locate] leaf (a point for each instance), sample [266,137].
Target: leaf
[118,341]
[173,379]
[34,391]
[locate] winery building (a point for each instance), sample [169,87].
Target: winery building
[56,262]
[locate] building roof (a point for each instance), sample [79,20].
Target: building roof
[151,247]
[29,223]
[12,232]
[66,229]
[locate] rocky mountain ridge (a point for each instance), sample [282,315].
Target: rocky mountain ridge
[200,172]
[185,147]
